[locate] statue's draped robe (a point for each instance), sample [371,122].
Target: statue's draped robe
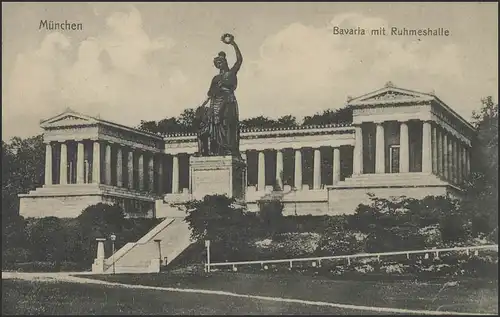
[223,115]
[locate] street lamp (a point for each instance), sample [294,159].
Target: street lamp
[207,244]
[113,238]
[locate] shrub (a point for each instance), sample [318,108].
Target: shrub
[217,218]
[11,256]
[271,214]
[46,237]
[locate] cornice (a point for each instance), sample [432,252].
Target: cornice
[282,132]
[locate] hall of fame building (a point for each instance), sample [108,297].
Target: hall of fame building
[400,142]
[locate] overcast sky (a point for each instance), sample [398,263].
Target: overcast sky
[148,61]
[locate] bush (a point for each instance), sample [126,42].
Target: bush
[11,256]
[219,219]
[342,242]
[288,245]
[271,215]
[46,237]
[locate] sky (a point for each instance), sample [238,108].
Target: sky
[148,61]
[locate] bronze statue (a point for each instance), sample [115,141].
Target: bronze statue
[218,124]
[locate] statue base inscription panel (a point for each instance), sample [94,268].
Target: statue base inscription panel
[217,175]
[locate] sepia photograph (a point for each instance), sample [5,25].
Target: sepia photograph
[288,158]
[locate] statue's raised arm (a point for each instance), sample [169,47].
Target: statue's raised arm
[229,39]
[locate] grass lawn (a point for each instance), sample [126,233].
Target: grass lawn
[474,296]
[64,298]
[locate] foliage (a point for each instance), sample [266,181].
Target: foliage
[481,194]
[396,223]
[271,214]
[217,218]
[288,245]
[341,115]
[22,170]
[46,238]
[185,122]
[338,239]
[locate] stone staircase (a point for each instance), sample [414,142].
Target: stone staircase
[346,195]
[391,180]
[144,256]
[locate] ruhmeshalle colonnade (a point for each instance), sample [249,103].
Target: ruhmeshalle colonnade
[400,142]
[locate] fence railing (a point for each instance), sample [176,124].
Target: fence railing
[316,261]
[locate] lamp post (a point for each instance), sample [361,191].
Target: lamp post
[113,238]
[207,244]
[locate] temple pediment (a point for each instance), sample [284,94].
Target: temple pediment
[68,118]
[390,94]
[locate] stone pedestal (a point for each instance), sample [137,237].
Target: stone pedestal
[99,262]
[217,175]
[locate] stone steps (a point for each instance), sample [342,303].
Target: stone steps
[388,180]
[137,257]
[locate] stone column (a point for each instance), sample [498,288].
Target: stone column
[464,162]
[459,163]
[140,168]
[279,169]
[159,175]
[446,166]
[451,159]
[96,163]
[175,174]
[439,151]
[130,168]
[261,179]
[455,160]
[119,166]
[336,165]
[380,149]
[63,167]
[404,148]
[467,162]
[80,158]
[317,169]
[48,164]
[426,147]
[107,164]
[151,173]
[298,170]
[434,141]
[358,152]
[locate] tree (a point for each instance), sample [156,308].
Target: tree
[23,169]
[259,122]
[481,189]
[47,239]
[99,221]
[169,126]
[287,121]
[217,218]
[149,126]
[186,120]
[271,214]
[342,115]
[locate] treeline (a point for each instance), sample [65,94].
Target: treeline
[184,122]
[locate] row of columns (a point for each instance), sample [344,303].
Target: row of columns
[451,159]
[96,166]
[442,154]
[261,174]
[261,178]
